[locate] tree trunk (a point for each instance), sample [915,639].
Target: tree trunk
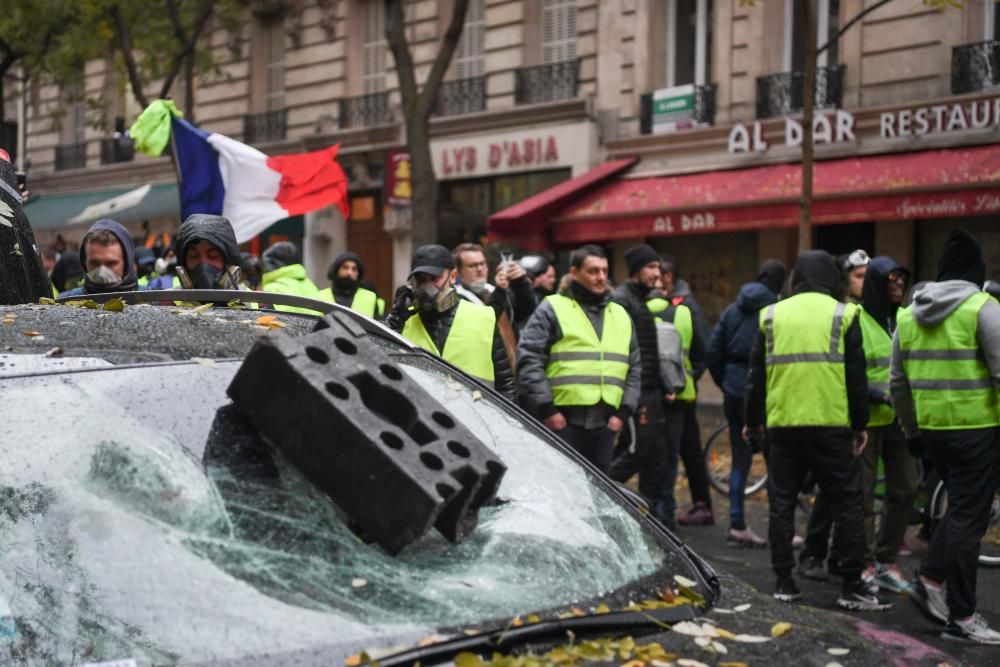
[808,102]
[418,102]
[189,89]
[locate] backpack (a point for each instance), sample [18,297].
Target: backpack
[670,347]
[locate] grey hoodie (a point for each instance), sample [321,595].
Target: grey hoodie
[932,303]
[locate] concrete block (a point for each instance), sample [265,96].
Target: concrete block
[391,457]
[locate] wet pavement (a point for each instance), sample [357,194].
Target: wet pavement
[753,567]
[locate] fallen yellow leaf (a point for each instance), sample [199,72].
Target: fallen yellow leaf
[47,301]
[780,629]
[32,334]
[266,320]
[114,305]
[467,659]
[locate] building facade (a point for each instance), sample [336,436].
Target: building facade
[541,93]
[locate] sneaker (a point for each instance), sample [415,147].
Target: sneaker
[745,538]
[973,629]
[785,590]
[888,577]
[868,580]
[930,600]
[812,568]
[857,597]
[699,515]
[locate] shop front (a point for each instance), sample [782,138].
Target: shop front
[873,189]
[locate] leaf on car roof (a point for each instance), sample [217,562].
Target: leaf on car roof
[780,629]
[81,303]
[741,607]
[236,304]
[269,321]
[358,582]
[114,305]
[6,214]
[47,301]
[838,651]
[33,334]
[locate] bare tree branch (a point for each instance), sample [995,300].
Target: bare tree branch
[125,42]
[395,32]
[440,66]
[177,62]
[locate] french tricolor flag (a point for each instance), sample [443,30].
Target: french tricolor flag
[222,176]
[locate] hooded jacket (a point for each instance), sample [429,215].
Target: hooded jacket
[728,357]
[438,326]
[540,333]
[932,304]
[815,271]
[215,229]
[875,293]
[22,278]
[68,272]
[130,281]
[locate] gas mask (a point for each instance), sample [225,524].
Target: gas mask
[103,275]
[430,298]
[206,276]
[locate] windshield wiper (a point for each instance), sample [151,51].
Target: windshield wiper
[505,639]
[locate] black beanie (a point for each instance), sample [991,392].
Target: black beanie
[639,256]
[962,259]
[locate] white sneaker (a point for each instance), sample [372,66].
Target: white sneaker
[929,599]
[973,629]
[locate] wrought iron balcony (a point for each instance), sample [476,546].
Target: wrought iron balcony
[365,111]
[975,67]
[117,149]
[781,94]
[702,113]
[547,83]
[71,156]
[260,128]
[461,96]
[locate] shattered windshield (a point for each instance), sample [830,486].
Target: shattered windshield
[141,517]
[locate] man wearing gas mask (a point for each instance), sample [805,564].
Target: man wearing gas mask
[208,256]
[428,311]
[108,258]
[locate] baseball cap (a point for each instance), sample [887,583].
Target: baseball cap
[431,259]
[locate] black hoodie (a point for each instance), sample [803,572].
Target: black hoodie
[215,229]
[875,293]
[344,289]
[22,278]
[815,271]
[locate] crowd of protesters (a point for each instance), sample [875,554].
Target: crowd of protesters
[829,373]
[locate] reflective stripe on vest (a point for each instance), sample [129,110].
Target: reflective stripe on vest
[805,360]
[469,345]
[948,376]
[878,349]
[684,323]
[583,370]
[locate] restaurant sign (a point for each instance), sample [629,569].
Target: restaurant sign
[838,126]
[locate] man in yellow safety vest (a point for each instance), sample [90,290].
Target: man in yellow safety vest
[578,361]
[945,382]
[345,274]
[428,311]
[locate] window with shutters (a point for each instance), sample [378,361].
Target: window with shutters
[275,67]
[468,58]
[374,47]
[558,31]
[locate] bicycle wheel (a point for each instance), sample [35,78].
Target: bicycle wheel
[719,463]
[989,548]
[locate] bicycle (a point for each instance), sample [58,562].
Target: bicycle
[719,463]
[989,550]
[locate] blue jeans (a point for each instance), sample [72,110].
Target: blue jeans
[742,457]
[673,430]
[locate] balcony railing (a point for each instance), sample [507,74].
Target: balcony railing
[702,113]
[117,149]
[975,67]
[71,156]
[781,94]
[365,111]
[461,96]
[8,138]
[260,128]
[547,83]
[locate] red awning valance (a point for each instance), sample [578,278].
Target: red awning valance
[927,184]
[527,221]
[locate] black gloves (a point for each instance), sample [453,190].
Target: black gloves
[916,447]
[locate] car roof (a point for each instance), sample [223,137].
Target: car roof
[138,334]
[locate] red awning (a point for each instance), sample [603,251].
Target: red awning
[903,186]
[527,221]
